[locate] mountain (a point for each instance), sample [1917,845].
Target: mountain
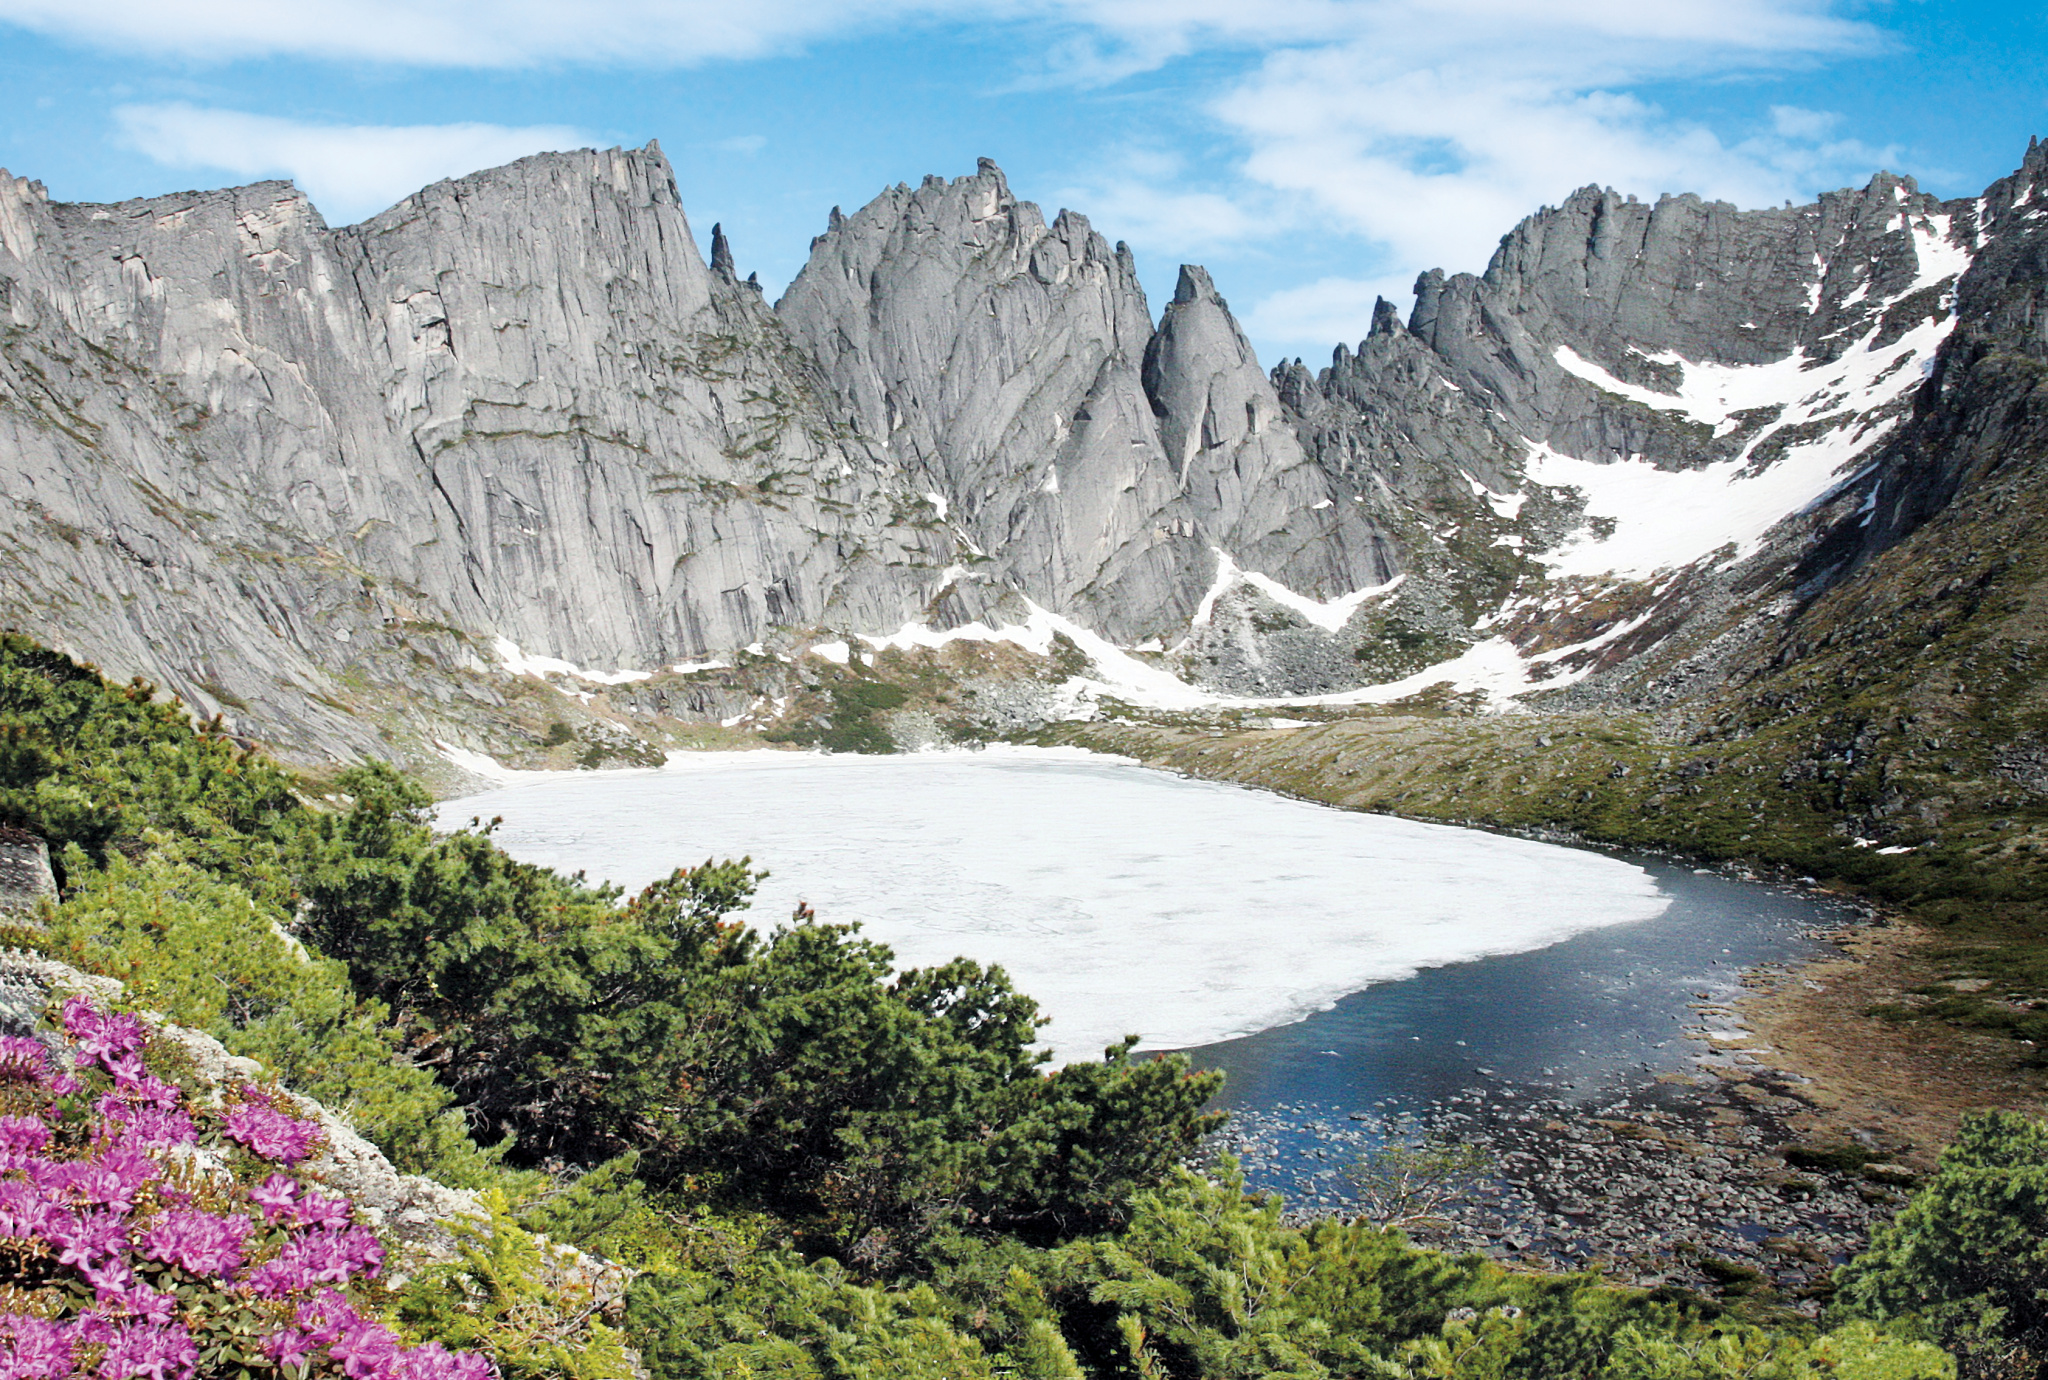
[309,477]
[513,454]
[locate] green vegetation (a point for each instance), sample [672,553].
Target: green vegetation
[844,719]
[1967,1260]
[815,1166]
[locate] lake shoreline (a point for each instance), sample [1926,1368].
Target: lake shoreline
[1679,1180]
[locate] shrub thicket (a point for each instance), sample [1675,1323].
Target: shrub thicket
[818,1166]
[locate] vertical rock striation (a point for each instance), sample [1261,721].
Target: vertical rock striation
[1012,367]
[254,457]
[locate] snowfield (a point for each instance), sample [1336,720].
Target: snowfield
[1125,901]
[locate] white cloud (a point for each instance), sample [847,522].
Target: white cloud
[1138,195]
[1096,39]
[1427,139]
[350,171]
[446,33]
[1796,123]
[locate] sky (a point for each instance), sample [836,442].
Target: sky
[1313,154]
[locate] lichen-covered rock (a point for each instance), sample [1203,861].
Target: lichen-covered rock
[25,877]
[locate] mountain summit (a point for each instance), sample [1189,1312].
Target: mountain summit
[354,487]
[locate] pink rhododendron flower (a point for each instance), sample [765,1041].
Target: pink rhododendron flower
[365,1349]
[132,1166]
[108,1274]
[320,1210]
[149,1128]
[290,1347]
[198,1242]
[22,1060]
[138,1301]
[87,1238]
[275,1195]
[24,1211]
[109,1181]
[101,1037]
[272,1134]
[156,1351]
[326,1317]
[33,1348]
[326,1256]
[21,1138]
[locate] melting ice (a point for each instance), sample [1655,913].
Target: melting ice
[1124,900]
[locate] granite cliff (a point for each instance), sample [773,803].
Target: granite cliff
[310,478]
[363,489]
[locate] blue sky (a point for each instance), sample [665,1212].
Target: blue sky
[1312,153]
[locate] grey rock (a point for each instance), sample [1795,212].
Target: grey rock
[1012,366]
[25,877]
[254,458]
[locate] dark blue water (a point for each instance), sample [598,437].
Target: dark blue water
[1581,1021]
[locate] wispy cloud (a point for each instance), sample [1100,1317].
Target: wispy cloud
[1090,40]
[1324,312]
[1143,195]
[350,171]
[1425,142]
[462,33]
[1417,130]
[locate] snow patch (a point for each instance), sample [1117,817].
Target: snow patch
[1664,519]
[1505,506]
[832,651]
[1329,614]
[520,664]
[938,502]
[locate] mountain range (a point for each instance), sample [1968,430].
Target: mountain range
[512,464]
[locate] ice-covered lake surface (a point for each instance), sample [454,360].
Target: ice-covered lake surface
[1124,900]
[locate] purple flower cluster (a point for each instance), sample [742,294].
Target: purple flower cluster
[22,1059]
[99,1037]
[268,1131]
[367,1350]
[112,1213]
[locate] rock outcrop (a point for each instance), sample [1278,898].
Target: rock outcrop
[25,877]
[282,468]
[341,486]
[1011,365]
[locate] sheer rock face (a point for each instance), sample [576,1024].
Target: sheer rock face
[1013,368]
[307,476]
[998,359]
[248,455]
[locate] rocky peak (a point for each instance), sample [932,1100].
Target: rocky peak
[516,405]
[998,357]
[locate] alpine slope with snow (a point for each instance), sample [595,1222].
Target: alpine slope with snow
[437,480]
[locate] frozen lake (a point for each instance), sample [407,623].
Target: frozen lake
[1124,900]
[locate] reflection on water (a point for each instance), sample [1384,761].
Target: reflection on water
[1590,1016]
